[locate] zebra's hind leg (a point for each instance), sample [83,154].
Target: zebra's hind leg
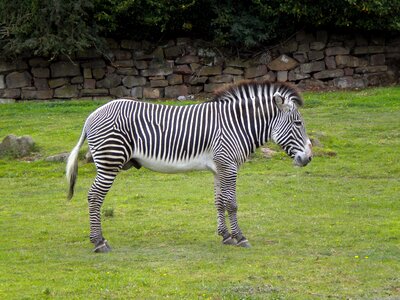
[220,206]
[97,193]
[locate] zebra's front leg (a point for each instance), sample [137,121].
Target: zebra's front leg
[221,208]
[228,190]
[97,193]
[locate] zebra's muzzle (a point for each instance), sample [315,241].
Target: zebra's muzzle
[301,159]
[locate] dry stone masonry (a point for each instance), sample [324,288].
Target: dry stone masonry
[180,67]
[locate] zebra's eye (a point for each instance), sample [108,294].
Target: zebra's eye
[298,123]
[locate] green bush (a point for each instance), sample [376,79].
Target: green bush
[57,27]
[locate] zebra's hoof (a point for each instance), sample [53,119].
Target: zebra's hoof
[229,241]
[243,243]
[102,247]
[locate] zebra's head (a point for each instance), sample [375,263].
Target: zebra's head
[288,130]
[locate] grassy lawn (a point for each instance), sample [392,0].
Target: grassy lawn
[329,230]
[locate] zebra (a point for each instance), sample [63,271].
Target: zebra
[217,135]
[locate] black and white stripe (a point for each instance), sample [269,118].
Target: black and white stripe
[217,135]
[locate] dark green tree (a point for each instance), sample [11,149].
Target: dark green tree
[47,28]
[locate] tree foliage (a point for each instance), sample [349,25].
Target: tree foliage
[55,27]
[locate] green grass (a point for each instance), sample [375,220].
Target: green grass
[329,230]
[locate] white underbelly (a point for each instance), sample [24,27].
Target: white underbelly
[201,162]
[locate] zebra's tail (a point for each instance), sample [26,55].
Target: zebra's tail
[72,165]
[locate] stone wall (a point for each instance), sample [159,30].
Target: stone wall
[181,67]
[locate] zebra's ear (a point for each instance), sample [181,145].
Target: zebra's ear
[282,103]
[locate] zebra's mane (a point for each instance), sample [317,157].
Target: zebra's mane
[282,87]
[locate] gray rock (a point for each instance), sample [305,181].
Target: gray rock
[16,146]
[2,82]
[283,63]
[64,69]
[131,81]
[110,81]
[66,91]
[18,80]
[312,67]
[176,90]
[254,72]
[329,74]
[62,157]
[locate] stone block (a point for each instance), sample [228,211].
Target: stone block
[10,93]
[282,76]
[213,87]
[87,73]
[6,67]
[237,63]
[120,92]
[183,70]
[195,80]
[371,69]
[330,62]
[66,91]
[317,46]
[159,83]
[55,83]
[93,92]
[316,55]
[89,83]
[163,71]
[343,61]
[304,47]
[132,81]
[336,51]
[127,71]
[348,82]
[315,66]
[196,89]
[326,74]
[348,71]
[40,95]
[122,54]
[137,92]
[152,93]
[239,78]
[174,51]
[301,57]
[226,78]
[6,101]
[77,79]
[110,81]
[254,72]
[174,79]
[38,62]
[210,70]
[296,76]
[141,64]
[282,63]
[187,59]
[232,71]
[377,59]
[2,82]
[124,63]
[64,69]
[176,91]
[18,80]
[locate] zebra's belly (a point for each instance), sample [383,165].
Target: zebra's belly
[201,162]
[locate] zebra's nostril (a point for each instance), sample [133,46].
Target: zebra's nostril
[310,159]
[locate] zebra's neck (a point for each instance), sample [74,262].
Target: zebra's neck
[245,119]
